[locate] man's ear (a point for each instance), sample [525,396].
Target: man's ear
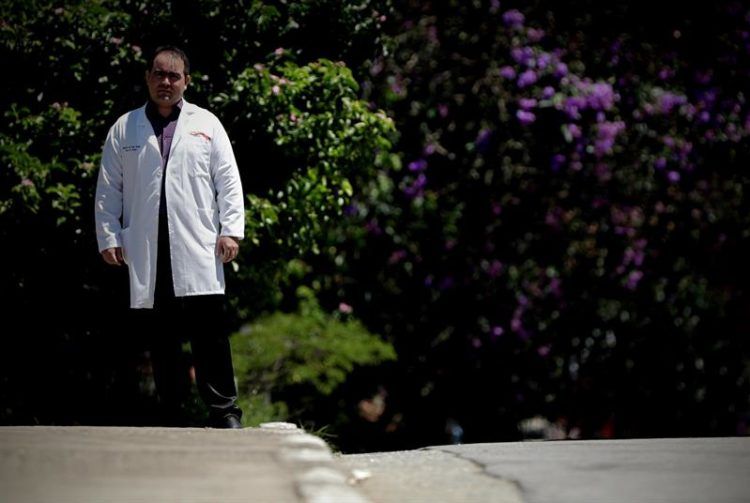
[187,80]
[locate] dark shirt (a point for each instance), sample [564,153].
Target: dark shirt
[164,128]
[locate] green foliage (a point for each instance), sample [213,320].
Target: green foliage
[39,152]
[315,135]
[293,105]
[309,348]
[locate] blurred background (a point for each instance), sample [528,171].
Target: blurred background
[467,221]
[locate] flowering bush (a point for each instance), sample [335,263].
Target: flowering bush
[571,226]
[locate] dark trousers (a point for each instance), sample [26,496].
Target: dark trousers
[201,321]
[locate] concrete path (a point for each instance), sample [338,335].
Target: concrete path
[426,476]
[277,463]
[697,470]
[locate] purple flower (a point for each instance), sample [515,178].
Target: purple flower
[523,56]
[527,103]
[633,278]
[638,257]
[673,176]
[495,268]
[666,73]
[561,70]
[525,117]
[668,100]
[432,34]
[417,186]
[548,92]
[572,105]
[557,161]
[527,78]
[600,96]
[611,129]
[535,34]
[515,324]
[660,163]
[607,133]
[418,165]
[552,218]
[508,72]
[543,60]
[708,97]
[483,139]
[603,146]
[573,130]
[554,287]
[497,331]
[443,110]
[397,256]
[513,18]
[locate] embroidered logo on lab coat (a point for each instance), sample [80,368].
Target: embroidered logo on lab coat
[201,134]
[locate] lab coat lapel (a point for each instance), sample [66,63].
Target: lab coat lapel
[182,125]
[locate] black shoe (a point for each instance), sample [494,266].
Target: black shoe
[230,421]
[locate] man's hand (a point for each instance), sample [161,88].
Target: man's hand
[227,248]
[113,256]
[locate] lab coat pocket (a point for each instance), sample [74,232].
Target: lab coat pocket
[208,225]
[198,154]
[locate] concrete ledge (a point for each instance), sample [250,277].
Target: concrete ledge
[276,463]
[316,476]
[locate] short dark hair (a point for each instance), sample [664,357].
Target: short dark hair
[174,50]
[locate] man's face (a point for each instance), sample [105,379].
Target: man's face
[166,80]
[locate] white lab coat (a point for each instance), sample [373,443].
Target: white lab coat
[204,200]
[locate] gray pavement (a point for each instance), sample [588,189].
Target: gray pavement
[280,463]
[700,470]
[426,475]
[277,463]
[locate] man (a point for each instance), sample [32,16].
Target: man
[169,205]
